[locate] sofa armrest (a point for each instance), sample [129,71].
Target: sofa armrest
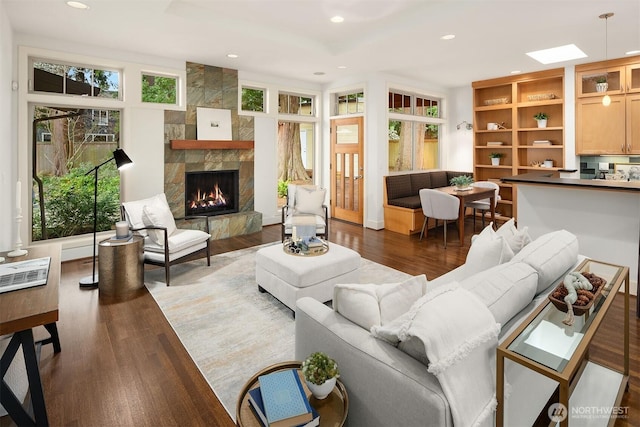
[385,386]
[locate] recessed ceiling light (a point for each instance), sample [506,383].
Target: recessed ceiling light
[632,52]
[319,73]
[557,54]
[448,37]
[231,55]
[337,19]
[516,72]
[77,5]
[342,67]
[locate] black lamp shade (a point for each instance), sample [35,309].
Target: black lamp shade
[121,158]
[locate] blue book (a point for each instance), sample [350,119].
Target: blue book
[255,401]
[284,400]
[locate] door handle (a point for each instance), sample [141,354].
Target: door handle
[357,177]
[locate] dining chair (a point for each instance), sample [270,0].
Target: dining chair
[438,205]
[485,204]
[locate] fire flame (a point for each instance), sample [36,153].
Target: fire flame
[213,198]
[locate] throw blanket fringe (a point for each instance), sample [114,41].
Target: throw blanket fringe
[455,356]
[486,412]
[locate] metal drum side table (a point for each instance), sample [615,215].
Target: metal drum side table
[121,266]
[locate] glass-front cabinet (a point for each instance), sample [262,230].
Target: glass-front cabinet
[600,82]
[608,129]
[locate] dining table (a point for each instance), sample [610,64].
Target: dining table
[471,194]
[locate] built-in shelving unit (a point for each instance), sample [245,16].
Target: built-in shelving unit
[198,144]
[510,103]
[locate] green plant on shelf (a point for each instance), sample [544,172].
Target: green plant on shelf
[496,155]
[541,116]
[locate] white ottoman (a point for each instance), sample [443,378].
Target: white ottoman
[289,277]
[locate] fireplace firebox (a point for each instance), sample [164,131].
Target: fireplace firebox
[211,192]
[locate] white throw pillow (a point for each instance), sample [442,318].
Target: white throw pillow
[358,303]
[396,298]
[505,289]
[310,201]
[158,214]
[508,229]
[369,305]
[486,252]
[134,212]
[551,255]
[516,238]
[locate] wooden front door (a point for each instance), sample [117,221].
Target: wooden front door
[347,169]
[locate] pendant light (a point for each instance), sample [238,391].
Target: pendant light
[606,99]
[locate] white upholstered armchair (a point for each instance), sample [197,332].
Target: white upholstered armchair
[164,243]
[305,206]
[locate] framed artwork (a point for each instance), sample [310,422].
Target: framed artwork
[213,124]
[629,171]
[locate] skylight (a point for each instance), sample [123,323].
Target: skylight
[557,54]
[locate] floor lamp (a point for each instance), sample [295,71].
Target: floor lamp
[122,161]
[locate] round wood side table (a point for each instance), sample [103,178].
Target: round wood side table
[333,410]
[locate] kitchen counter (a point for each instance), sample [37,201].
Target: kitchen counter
[603,214]
[552,178]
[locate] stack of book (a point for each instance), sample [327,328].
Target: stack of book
[280,401]
[310,243]
[541,143]
[494,143]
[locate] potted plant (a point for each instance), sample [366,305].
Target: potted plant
[601,84]
[495,158]
[462,181]
[320,373]
[548,163]
[541,119]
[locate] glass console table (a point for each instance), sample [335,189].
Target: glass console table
[547,346]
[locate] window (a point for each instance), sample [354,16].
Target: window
[253,99]
[75,79]
[70,142]
[348,103]
[295,104]
[159,89]
[414,132]
[100,117]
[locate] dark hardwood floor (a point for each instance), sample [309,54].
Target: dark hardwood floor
[122,365]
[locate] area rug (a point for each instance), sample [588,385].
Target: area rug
[229,328]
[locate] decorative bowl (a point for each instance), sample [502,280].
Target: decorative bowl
[557,296]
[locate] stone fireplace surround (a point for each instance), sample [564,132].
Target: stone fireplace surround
[211,87]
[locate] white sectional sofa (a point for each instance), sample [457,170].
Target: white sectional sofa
[388,383]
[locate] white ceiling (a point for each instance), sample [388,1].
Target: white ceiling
[294,38]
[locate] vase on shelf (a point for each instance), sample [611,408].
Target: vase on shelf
[542,123]
[495,161]
[602,87]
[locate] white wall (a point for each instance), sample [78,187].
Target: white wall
[265,174]
[458,146]
[8,162]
